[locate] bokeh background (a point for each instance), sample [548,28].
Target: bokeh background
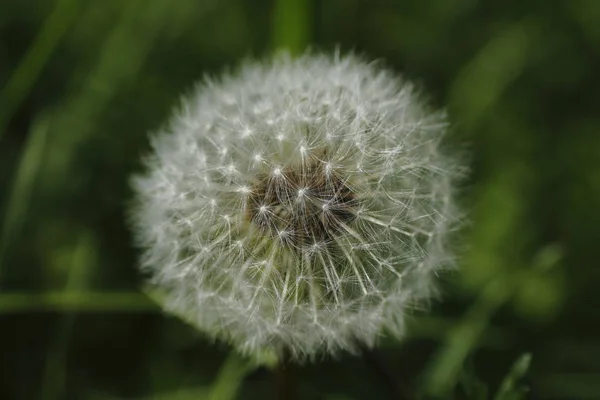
[82,82]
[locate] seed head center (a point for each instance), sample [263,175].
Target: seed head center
[308,203]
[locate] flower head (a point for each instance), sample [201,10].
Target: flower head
[298,205]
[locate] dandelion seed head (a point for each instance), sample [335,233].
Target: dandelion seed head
[298,205]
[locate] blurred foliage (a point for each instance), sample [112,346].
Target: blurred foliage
[83,82]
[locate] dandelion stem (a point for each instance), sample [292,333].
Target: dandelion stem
[284,378]
[396,388]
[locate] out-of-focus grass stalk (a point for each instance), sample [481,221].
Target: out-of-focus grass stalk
[509,388]
[482,81]
[22,187]
[76,301]
[53,383]
[463,338]
[230,377]
[26,74]
[292,25]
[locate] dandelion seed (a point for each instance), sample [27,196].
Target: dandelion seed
[317,206]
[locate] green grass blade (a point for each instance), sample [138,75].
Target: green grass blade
[510,388]
[26,74]
[127,302]
[292,25]
[55,372]
[445,368]
[22,187]
[230,378]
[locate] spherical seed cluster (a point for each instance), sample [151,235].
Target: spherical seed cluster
[299,205]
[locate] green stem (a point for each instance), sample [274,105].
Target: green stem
[292,25]
[284,378]
[396,388]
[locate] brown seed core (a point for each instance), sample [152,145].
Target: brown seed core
[302,205]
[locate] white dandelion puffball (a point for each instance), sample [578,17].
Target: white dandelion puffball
[299,205]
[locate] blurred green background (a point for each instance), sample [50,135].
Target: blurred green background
[82,82]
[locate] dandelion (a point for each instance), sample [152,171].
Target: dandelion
[298,205]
